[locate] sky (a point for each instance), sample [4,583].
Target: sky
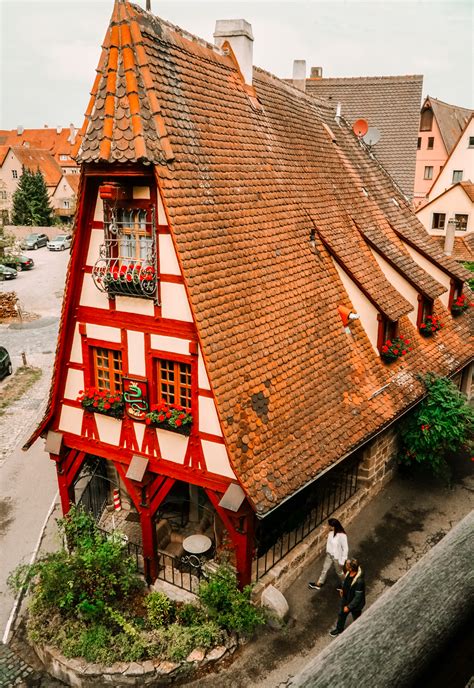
[50,48]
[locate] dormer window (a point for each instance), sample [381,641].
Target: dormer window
[128,262]
[426,123]
[425,308]
[387,330]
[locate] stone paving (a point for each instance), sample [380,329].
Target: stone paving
[14,671]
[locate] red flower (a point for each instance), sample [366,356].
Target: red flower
[147,421]
[161,417]
[403,352]
[384,349]
[388,342]
[395,351]
[168,415]
[95,403]
[107,405]
[178,422]
[422,325]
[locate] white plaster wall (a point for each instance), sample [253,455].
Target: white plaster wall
[216,458]
[136,353]
[99,210]
[455,201]
[400,284]
[432,270]
[203,380]
[462,158]
[208,418]
[71,419]
[161,211]
[141,192]
[129,304]
[139,432]
[172,446]
[109,428]
[174,302]
[109,334]
[74,383]
[96,239]
[90,295]
[368,313]
[168,261]
[76,348]
[172,344]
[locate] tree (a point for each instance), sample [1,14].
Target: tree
[31,201]
[442,423]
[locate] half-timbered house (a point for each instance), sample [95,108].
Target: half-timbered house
[239,263]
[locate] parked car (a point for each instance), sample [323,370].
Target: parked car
[18,263]
[34,241]
[5,363]
[60,243]
[7,273]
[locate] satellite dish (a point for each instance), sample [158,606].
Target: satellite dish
[360,127]
[372,136]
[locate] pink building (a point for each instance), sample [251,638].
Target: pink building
[440,127]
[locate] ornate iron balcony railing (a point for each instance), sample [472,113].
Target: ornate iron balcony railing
[127,263]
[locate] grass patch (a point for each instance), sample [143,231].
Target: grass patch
[21,381]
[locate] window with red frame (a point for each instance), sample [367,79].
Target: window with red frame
[387,330]
[425,308]
[107,369]
[174,382]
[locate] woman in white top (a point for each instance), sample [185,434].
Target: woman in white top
[337,550]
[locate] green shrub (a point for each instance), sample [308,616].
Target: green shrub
[160,609]
[228,606]
[190,615]
[441,423]
[95,571]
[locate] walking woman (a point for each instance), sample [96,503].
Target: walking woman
[337,550]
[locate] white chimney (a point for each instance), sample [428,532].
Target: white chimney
[338,112]
[20,129]
[72,134]
[299,74]
[238,33]
[450,233]
[58,129]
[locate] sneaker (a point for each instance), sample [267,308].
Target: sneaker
[315,586]
[334,633]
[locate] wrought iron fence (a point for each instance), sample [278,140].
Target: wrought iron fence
[300,516]
[94,496]
[184,572]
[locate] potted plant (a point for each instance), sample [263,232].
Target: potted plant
[131,279]
[101,401]
[170,417]
[459,305]
[431,325]
[394,348]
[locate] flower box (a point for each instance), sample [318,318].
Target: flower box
[131,280]
[459,305]
[429,326]
[170,417]
[101,401]
[394,348]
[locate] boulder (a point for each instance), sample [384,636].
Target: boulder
[274,600]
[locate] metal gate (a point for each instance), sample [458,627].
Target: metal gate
[95,492]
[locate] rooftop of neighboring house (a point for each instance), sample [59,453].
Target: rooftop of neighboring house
[56,140]
[389,103]
[463,250]
[38,159]
[73,181]
[451,120]
[262,188]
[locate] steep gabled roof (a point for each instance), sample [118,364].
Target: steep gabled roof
[35,159]
[261,195]
[55,141]
[451,120]
[390,103]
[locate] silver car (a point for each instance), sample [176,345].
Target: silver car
[60,243]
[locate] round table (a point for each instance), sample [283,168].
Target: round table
[197,544]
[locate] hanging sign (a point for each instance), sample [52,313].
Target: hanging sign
[135,396]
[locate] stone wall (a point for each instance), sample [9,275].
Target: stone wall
[377,468]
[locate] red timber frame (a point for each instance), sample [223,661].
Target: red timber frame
[161,475]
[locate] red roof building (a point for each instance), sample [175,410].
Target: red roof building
[224,220]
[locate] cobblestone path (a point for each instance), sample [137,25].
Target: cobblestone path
[14,671]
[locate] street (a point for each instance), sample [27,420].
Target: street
[27,480]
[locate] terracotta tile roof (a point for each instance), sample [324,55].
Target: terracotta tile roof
[35,159]
[73,181]
[390,103]
[463,250]
[392,249]
[451,120]
[469,189]
[49,138]
[246,190]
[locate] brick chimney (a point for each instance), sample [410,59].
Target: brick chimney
[238,33]
[299,74]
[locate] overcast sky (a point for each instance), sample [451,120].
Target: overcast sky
[50,49]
